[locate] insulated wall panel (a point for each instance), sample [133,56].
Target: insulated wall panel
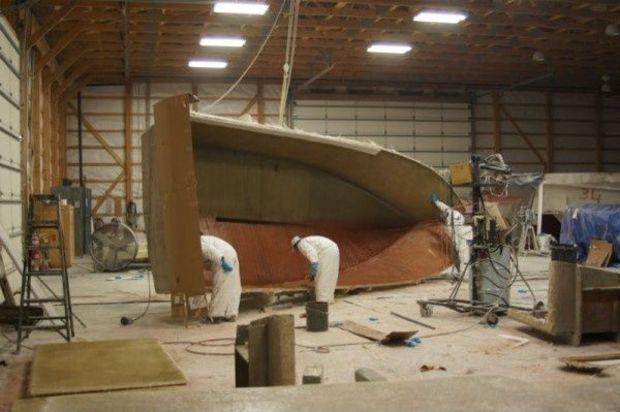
[435,133]
[10,141]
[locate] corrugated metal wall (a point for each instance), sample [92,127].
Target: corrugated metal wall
[10,146]
[437,134]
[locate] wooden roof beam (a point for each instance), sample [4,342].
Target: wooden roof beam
[54,19]
[59,46]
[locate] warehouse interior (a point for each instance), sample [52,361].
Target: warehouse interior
[302,204]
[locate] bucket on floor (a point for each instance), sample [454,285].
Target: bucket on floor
[317,316]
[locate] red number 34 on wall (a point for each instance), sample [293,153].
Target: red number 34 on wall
[588,194]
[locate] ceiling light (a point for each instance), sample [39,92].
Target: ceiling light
[232,7]
[440,17]
[222,41]
[389,48]
[538,56]
[208,64]
[612,30]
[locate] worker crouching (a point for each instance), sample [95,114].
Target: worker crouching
[324,258]
[221,259]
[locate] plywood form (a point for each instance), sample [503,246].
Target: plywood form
[169,176]
[174,247]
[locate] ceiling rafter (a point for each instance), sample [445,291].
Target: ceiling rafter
[494,45]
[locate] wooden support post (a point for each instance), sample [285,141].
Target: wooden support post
[600,135]
[37,141]
[524,136]
[249,105]
[260,103]
[52,21]
[472,123]
[128,144]
[107,193]
[46,154]
[55,146]
[549,130]
[60,45]
[62,131]
[25,97]
[497,124]
[60,71]
[106,145]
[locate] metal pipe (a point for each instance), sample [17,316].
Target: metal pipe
[80,148]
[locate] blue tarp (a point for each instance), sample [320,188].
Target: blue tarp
[586,222]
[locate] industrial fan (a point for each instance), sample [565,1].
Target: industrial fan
[113,247]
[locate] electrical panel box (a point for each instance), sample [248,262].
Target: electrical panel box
[81,200]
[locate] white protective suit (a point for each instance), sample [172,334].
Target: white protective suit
[462,234]
[321,250]
[226,293]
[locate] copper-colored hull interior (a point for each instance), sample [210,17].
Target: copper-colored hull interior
[368,256]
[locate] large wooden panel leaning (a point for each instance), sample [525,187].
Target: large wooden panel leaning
[256,186]
[170,191]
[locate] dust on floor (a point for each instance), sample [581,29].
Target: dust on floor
[478,350]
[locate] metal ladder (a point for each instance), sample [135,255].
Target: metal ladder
[61,323]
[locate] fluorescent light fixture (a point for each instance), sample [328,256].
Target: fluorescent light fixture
[222,41]
[389,48]
[445,17]
[233,7]
[208,64]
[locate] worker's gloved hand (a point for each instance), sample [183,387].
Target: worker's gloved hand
[434,198]
[226,266]
[314,269]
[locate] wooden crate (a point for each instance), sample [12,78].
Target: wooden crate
[461,173]
[48,212]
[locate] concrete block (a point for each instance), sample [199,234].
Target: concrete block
[258,353]
[368,375]
[313,374]
[242,366]
[281,350]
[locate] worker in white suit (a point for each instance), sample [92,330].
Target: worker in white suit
[462,234]
[324,258]
[221,259]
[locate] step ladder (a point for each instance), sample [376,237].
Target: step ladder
[36,268]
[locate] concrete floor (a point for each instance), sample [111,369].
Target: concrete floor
[478,350]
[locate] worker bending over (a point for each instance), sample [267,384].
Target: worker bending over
[221,259]
[324,260]
[462,234]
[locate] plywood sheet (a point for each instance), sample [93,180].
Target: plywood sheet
[78,367]
[391,338]
[174,244]
[599,253]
